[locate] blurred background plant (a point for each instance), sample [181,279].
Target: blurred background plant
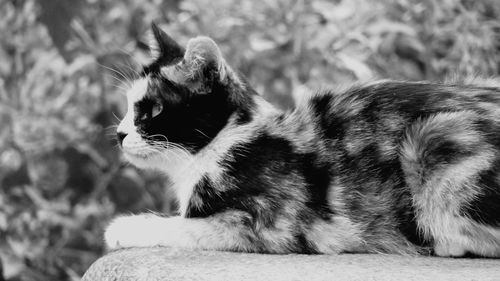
[64,66]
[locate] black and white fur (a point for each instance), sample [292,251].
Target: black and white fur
[386,167]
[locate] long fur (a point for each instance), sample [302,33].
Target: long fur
[386,167]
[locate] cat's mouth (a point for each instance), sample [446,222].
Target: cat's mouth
[138,154]
[133,146]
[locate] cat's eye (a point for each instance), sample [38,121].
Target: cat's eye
[157,108]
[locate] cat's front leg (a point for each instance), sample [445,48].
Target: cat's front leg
[225,231]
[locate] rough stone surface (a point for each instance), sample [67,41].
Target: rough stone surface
[143,264]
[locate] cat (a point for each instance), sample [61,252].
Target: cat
[384,167]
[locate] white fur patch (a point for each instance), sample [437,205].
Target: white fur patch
[133,145]
[134,94]
[149,230]
[334,237]
[137,91]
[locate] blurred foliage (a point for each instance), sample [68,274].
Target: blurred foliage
[65,64]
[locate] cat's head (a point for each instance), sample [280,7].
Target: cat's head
[184,98]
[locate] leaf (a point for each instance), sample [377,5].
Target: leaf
[359,68]
[260,44]
[57,15]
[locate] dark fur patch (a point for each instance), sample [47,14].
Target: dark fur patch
[189,119]
[381,198]
[205,191]
[264,177]
[318,180]
[254,170]
[304,246]
[442,151]
[332,126]
[485,208]
[272,160]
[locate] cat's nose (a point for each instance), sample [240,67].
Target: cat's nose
[120,137]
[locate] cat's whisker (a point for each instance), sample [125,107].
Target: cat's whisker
[127,80]
[134,72]
[132,58]
[129,76]
[110,127]
[117,118]
[173,149]
[203,134]
[114,71]
[120,87]
[173,145]
[166,144]
[152,137]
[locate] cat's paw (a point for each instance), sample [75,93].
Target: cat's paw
[132,231]
[449,249]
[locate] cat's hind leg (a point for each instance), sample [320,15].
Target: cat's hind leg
[445,158]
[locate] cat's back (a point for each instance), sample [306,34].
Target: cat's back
[382,113]
[408,100]
[437,146]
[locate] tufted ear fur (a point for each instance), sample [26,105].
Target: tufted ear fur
[164,49]
[202,53]
[202,66]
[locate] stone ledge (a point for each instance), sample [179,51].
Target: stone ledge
[153,264]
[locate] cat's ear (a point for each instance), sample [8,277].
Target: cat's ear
[163,48]
[201,67]
[202,53]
